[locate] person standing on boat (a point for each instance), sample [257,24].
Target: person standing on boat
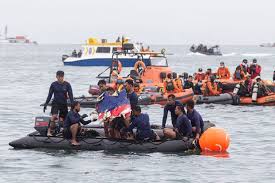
[223,72]
[61,90]
[195,118]
[79,54]
[255,69]
[116,66]
[170,106]
[183,127]
[131,94]
[72,123]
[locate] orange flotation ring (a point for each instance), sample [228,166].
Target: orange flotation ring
[139,66]
[116,66]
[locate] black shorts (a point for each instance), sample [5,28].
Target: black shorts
[62,110]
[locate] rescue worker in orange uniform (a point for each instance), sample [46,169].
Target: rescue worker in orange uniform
[169,85]
[199,76]
[223,72]
[178,82]
[211,87]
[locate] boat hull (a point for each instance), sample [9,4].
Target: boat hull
[126,62]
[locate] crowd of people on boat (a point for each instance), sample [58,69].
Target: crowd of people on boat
[203,49]
[75,54]
[186,123]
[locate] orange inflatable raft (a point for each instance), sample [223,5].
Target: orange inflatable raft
[268,100]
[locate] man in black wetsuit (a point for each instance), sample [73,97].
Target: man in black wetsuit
[170,106]
[61,90]
[131,94]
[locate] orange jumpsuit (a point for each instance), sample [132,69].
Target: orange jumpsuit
[170,86]
[223,73]
[212,89]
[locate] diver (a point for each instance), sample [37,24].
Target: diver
[74,54]
[170,106]
[259,89]
[244,66]
[170,85]
[199,75]
[255,69]
[102,86]
[72,123]
[142,123]
[60,89]
[189,83]
[223,72]
[183,127]
[131,94]
[244,88]
[195,118]
[79,53]
[211,88]
[238,74]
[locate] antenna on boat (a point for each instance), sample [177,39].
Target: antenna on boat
[6,32]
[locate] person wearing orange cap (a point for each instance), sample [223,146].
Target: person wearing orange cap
[223,72]
[211,87]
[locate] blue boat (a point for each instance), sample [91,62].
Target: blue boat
[95,53]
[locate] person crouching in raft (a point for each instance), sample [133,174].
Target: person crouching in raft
[170,85]
[183,127]
[195,118]
[72,123]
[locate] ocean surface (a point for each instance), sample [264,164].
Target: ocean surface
[26,73]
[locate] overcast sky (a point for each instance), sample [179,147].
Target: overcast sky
[149,21]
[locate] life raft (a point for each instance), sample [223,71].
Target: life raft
[94,139]
[225,98]
[159,98]
[268,100]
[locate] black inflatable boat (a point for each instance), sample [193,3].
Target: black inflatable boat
[94,139]
[225,98]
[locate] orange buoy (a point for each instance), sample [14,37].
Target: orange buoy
[214,139]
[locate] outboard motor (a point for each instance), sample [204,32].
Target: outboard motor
[236,89]
[255,92]
[64,57]
[41,124]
